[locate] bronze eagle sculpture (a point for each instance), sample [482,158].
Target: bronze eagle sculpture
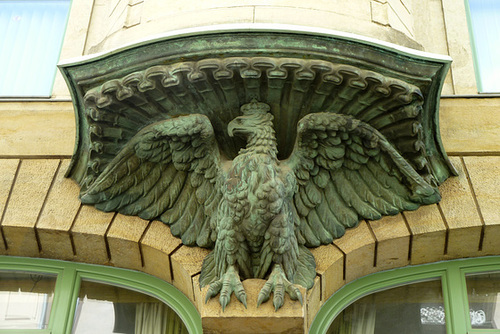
[259,213]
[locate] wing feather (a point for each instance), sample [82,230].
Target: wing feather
[312,194]
[167,199]
[183,223]
[314,221]
[322,178]
[302,208]
[367,195]
[174,214]
[341,210]
[204,236]
[307,234]
[143,201]
[117,180]
[351,196]
[347,171]
[392,192]
[156,174]
[330,221]
[136,191]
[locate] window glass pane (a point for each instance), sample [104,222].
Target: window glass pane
[105,309]
[413,308]
[483,291]
[25,300]
[485,21]
[31,34]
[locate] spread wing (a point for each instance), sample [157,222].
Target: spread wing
[347,171]
[167,171]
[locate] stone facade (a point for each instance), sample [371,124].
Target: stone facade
[41,216]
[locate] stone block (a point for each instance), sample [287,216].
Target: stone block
[393,242]
[36,128]
[491,244]
[186,263]
[77,31]
[400,17]
[123,240]
[459,47]
[484,174]
[134,14]
[428,234]
[9,169]
[313,303]
[27,198]
[157,245]
[461,214]
[238,319]
[464,131]
[380,12]
[58,215]
[89,235]
[159,20]
[330,268]
[358,245]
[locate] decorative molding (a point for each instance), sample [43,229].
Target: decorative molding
[350,133]
[116,109]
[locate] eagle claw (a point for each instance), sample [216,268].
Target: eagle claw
[278,283]
[229,282]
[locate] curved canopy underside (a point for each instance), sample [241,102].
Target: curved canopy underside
[391,89]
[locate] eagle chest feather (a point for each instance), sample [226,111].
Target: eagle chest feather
[255,195]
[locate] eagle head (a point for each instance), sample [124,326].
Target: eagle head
[255,116]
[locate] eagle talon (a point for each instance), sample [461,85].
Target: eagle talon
[279,284]
[213,290]
[229,282]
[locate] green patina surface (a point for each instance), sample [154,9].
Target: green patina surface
[173,130]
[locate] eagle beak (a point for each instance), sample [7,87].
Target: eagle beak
[233,127]
[230,129]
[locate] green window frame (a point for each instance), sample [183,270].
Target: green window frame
[69,276]
[452,274]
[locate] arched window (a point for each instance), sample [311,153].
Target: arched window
[50,296]
[460,296]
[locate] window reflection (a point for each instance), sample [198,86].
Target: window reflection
[483,291]
[107,309]
[414,308]
[25,300]
[32,32]
[484,17]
